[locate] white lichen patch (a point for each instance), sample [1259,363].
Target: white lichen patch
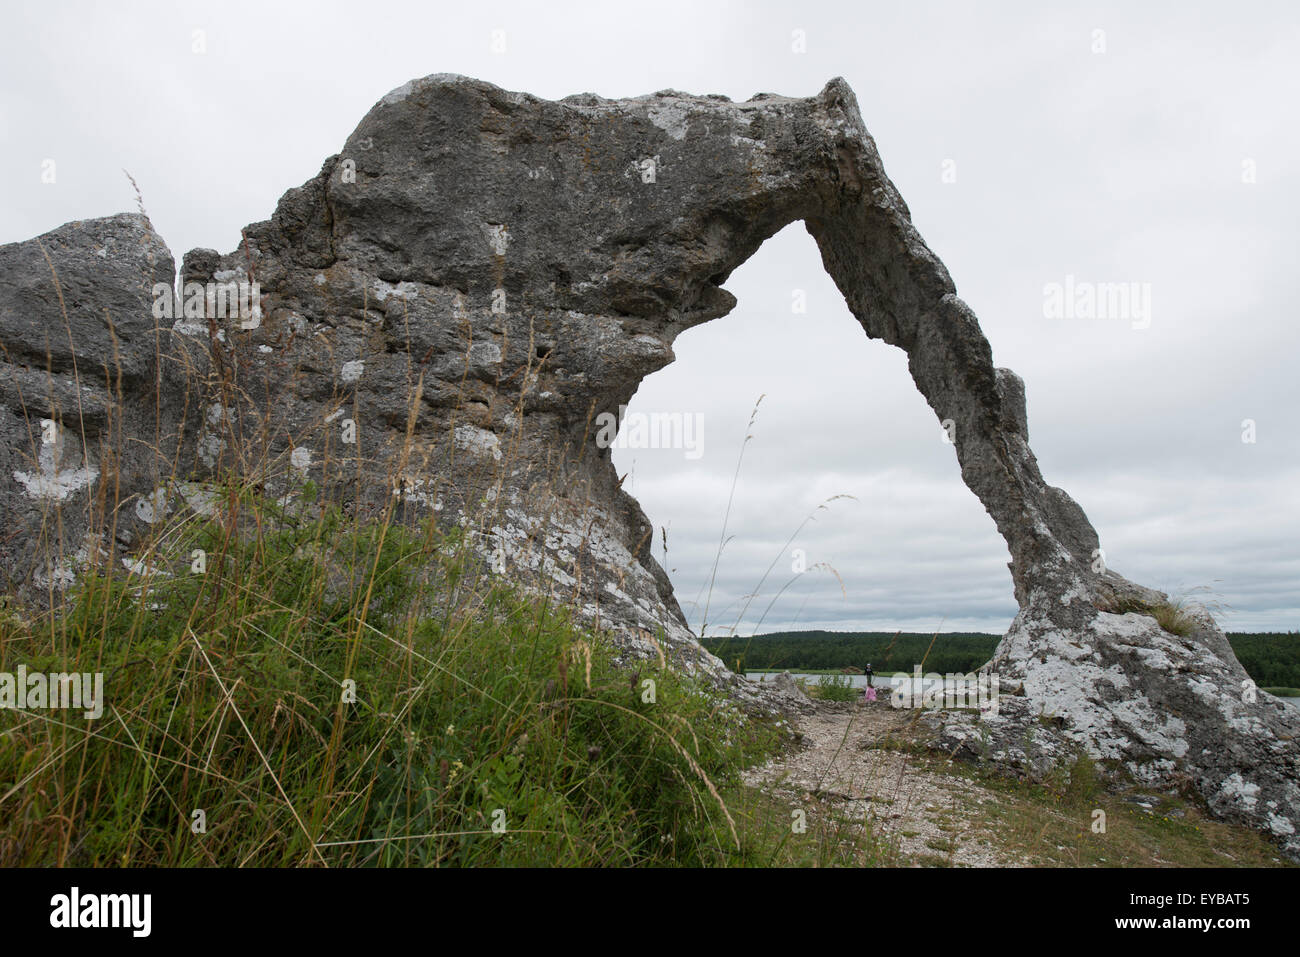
[210,447]
[498,237]
[1164,734]
[59,577]
[485,353]
[1207,691]
[399,94]
[671,116]
[49,483]
[478,441]
[413,86]
[63,574]
[152,507]
[1237,790]
[211,444]
[1280,825]
[201,498]
[1075,592]
[385,290]
[1155,658]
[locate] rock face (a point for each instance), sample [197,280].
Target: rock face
[84,410]
[480,274]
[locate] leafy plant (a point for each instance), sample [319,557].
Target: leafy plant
[836,688]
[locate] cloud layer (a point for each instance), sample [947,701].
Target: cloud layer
[1108,145]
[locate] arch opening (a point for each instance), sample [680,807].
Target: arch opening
[845,514]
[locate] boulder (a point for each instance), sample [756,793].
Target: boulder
[86,414]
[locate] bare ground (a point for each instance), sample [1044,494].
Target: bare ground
[849,768]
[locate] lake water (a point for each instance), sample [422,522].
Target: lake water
[887,682]
[880,682]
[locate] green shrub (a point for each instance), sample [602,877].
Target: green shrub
[836,688]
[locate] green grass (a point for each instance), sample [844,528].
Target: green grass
[230,693]
[1073,820]
[1172,615]
[834,687]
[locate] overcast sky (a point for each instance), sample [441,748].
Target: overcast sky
[1112,145]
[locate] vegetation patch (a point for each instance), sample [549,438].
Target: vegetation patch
[337,692]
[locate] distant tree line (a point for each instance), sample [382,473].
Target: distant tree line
[886,651]
[1272,659]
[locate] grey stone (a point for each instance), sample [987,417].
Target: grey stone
[1014,739]
[84,408]
[795,697]
[478,275]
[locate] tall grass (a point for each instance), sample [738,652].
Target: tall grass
[335,693]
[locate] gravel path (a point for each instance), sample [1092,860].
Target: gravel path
[844,769]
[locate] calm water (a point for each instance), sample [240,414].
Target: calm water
[887,681]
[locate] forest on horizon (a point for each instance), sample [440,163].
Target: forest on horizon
[1272,659]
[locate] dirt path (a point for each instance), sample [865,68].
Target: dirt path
[846,768]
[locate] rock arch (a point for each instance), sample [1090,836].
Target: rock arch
[509,267]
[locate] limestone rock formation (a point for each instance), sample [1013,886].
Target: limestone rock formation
[469,283]
[83,407]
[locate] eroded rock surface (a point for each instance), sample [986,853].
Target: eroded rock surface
[471,282]
[85,409]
